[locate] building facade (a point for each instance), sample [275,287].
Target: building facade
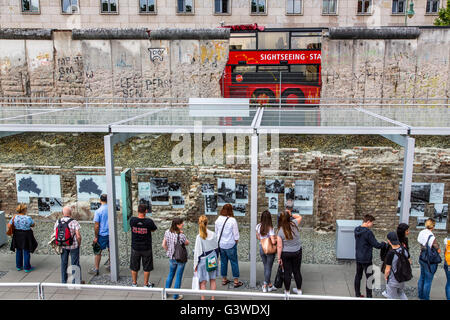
[153,14]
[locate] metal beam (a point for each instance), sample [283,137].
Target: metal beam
[408,166]
[254,207]
[401,140]
[112,219]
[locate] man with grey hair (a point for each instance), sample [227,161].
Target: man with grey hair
[68,236]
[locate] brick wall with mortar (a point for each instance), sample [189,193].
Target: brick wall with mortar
[346,186]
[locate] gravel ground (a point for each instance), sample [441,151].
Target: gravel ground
[318,248]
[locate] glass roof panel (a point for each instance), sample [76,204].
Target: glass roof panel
[415,116]
[321,117]
[184,117]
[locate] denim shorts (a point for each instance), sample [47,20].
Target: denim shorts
[103,241]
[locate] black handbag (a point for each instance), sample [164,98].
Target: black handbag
[279,278]
[180,253]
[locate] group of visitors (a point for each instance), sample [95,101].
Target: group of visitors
[221,244]
[397,261]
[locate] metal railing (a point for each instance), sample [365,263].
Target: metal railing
[40,288]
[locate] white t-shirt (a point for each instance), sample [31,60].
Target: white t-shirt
[423,237]
[270,233]
[230,232]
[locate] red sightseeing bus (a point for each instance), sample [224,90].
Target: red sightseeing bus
[269,65]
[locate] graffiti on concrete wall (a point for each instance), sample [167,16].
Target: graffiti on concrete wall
[156,54]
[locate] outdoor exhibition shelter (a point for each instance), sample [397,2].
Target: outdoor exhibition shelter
[120,121]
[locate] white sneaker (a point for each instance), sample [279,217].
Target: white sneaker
[286,292]
[264,289]
[134,285]
[296,291]
[272,288]
[384,294]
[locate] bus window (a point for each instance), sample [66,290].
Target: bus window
[243,69]
[309,72]
[305,41]
[273,68]
[243,41]
[273,40]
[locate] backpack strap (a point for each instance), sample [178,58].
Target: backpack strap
[218,243]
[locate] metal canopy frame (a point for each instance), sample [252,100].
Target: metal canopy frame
[15,120]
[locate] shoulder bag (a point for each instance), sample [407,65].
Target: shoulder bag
[430,255]
[180,253]
[10,230]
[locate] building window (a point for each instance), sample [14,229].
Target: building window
[258,6]
[147,6]
[364,6]
[109,6]
[398,6]
[329,7]
[69,6]
[294,7]
[432,6]
[221,6]
[30,6]
[185,6]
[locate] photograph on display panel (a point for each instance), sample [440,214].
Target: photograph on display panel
[159,190]
[47,206]
[174,189]
[211,204]
[226,191]
[274,186]
[178,202]
[239,209]
[420,192]
[208,189]
[304,196]
[241,193]
[437,192]
[272,199]
[417,210]
[289,194]
[440,212]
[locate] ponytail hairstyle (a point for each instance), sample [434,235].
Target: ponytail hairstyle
[202,224]
[21,208]
[174,227]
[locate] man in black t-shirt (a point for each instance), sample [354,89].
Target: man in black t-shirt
[141,245]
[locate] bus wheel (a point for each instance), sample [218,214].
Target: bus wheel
[263,97]
[292,97]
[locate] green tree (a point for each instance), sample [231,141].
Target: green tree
[444,16]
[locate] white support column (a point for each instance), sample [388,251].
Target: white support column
[112,218]
[254,207]
[408,166]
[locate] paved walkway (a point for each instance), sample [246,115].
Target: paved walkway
[331,280]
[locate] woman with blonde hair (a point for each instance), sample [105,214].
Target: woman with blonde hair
[227,231]
[427,270]
[206,255]
[23,241]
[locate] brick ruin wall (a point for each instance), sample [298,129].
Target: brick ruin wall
[346,186]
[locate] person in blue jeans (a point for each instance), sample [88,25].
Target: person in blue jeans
[427,271]
[72,250]
[227,231]
[23,241]
[171,236]
[101,230]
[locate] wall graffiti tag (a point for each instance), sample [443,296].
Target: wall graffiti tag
[156,53]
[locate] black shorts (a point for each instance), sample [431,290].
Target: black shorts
[147,260]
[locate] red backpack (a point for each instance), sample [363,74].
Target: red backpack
[63,235]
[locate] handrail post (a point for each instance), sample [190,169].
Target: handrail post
[164,294]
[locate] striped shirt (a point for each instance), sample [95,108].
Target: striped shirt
[171,239]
